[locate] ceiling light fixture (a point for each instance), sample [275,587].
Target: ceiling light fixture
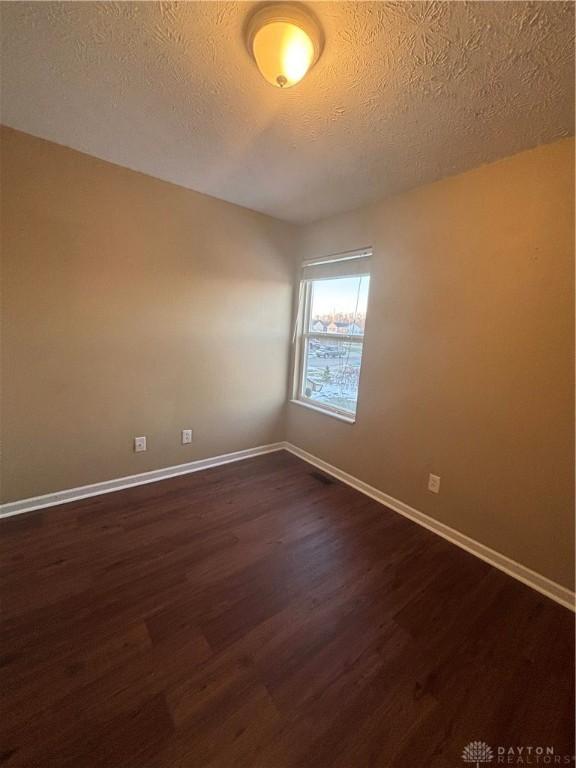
[285,41]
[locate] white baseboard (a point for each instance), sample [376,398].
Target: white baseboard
[520,572]
[118,484]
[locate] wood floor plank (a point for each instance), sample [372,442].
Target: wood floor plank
[253,616]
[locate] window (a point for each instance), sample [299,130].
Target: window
[330,332]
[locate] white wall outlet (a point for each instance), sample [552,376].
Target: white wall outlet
[434,483]
[186,436]
[139,444]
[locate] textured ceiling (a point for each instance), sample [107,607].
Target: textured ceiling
[404,93]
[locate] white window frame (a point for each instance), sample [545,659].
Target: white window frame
[303,337]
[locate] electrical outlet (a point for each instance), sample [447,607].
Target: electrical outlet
[434,483]
[139,444]
[186,436]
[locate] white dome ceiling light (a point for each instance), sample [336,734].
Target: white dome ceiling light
[285,40]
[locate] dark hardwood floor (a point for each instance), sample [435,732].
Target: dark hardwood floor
[253,615]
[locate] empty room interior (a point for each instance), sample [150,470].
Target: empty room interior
[287,402]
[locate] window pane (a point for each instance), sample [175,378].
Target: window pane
[339,305]
[331,373]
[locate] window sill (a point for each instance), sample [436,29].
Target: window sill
[325,411]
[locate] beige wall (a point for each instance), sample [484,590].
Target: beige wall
[468,369]
[135,307]
[132,307]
